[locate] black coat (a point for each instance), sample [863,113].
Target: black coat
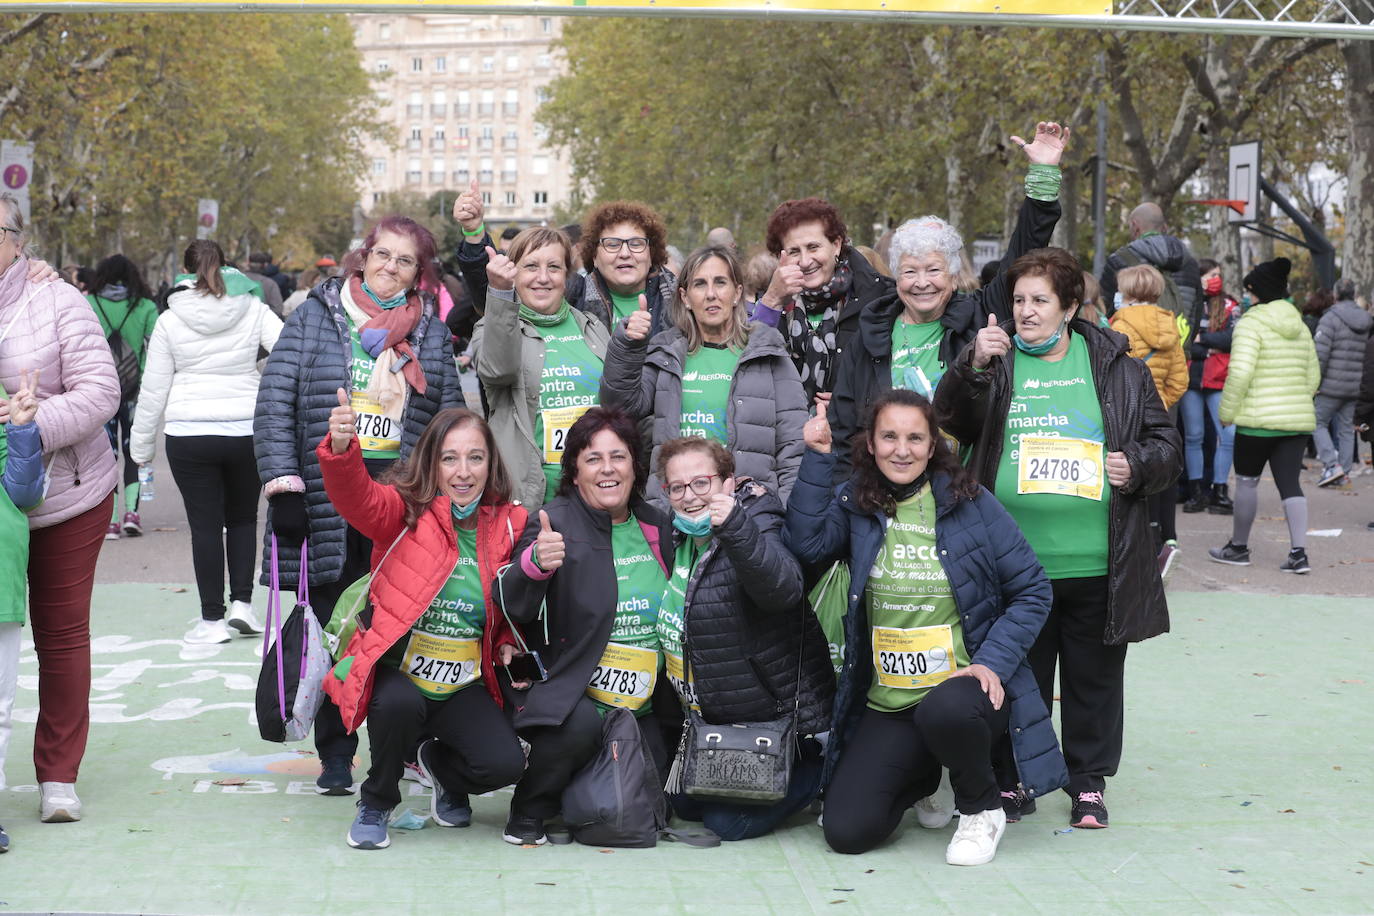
[865,370]
[577,603]
[976,404]
[1364,405]
[748,628]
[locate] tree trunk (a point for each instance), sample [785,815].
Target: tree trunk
[1358,253]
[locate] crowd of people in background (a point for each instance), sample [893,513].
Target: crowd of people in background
[586,472]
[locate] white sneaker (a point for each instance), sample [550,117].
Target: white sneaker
[937,810]
[242,619]
[975,841]
[208,632]
[59,804]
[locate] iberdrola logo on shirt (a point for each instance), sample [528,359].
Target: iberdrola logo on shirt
[696,376]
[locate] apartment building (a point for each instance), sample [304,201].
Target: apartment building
[462,91]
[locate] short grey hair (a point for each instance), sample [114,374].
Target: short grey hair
[1345,289]
[14,218]
[930,235]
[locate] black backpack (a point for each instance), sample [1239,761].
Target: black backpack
[125,359]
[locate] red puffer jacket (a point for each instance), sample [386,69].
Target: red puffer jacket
[414,573]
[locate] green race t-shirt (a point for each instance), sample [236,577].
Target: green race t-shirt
[672,618]
[706,392]
[624,306]
[569,384]
[628,669]
[916,364]
[1057,492]
[378,436]
[918,641]
[442,653]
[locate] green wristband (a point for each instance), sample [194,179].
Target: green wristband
[1042,182]
[482,229]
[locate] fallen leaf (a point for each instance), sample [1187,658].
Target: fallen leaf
[1258,674]
[606,851]
[1242,886]
[546,883]
[839,901]
[869,872]
[1310,889]
[140,829]
[286,820]
[1246,804]
[1353,680]
[843,890]
[1235,871]
[1367,864]
[1288,811]
[164,529]
[1335,768]
[231,781]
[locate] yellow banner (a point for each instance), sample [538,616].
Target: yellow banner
[629,7]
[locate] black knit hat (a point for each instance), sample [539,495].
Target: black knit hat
[1269,281]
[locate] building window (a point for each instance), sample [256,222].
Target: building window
[463,132]
[376,197]
[383,66]
[441,64]
[464,106]
[541,94]
[541,198]
[486,104]
[539,165]
[464,64]
[417,65]
[488,65]
[546,26]
[544,61]
[384,31]
[486,198]
[510,198]
[513,63]
[415,106]
[378,166]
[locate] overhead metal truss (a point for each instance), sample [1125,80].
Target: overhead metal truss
[1341,19]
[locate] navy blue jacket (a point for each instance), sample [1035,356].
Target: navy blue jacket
[1000,590]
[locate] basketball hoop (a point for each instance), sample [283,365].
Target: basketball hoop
[1236,205]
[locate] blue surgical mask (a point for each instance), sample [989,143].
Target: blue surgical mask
[384,303]
[1044,347]
[465,512]
[696,526]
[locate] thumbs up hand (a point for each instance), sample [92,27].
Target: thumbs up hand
[816,432]
[640,321]
[500,270]
[342,423]
[467,209]
[990,343]
[548,545]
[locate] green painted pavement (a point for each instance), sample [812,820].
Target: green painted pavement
[1245,788]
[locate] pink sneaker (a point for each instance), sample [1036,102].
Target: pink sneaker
[132,526]
[112,532]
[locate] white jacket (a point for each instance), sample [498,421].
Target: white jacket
[202,372]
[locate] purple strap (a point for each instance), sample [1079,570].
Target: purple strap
[274,624]
[303,599]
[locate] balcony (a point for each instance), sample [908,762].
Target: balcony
[508,177]
[439,111]
[415,111]
[415,144]
[484,176]
[462,177]
[413,177]
[486,109]
[486,142]
[438,145]
[510,143]
[510,109]
[462,111]
[436,178]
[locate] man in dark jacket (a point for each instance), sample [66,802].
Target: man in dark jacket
[260,262]
[1341,336]
[1151,244]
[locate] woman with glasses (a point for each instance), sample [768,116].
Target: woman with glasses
[624,251]
[740,645]
[539,359]
[376,335]
[712,373]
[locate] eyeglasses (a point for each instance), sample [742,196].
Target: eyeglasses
[402,261]
[700,486]
[636,244]
[4,229]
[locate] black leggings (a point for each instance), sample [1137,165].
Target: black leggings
[477,750]
[218,480]
[1283,454]
[118,429]
[894,758]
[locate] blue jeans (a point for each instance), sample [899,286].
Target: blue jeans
[744,822]
[1340,413]
[1198,406]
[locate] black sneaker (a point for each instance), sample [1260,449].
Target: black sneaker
[4,840]
[1017,804]
[525,831]
[1231,554]
[336,776]
[1296,563]
[448,809]
[1088,811]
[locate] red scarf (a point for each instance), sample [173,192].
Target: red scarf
[398,323]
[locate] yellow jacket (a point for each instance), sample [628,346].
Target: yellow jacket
[1154,339]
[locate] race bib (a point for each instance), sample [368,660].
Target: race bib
[625,676]
[915,658]
[557,422]
[440,665]
[681,680]
[1064,467]
[376,433]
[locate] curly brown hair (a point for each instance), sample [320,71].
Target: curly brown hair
[624,211]
[872,491]
[792,213]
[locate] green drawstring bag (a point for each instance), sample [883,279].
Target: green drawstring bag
[344,621]
[830,600]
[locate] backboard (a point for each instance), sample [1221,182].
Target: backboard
[1244,180]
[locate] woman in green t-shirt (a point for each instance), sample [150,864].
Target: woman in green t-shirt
[1070,433]
[539,359]
[713,373]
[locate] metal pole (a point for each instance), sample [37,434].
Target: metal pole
[1100,177]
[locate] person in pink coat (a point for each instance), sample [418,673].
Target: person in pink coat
[51,328]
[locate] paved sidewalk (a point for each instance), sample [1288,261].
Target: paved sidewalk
[1245,789]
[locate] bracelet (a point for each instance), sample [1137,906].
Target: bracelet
[481,231]
[534,557]
[1042,182]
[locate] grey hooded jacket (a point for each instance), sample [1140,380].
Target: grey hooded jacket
[1171,256]
[764,417]
[1340,339]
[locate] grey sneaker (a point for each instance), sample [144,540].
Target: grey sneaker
[369,828]
[1331,476]
[59,804]
[448,809]
[1231,554]
[1296,563]
[4,839]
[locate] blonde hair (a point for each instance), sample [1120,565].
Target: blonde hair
[1141,283]
[874,259]
[681,316]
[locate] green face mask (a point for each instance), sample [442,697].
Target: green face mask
[384,303]
[699,527]
[465,512]
[1045,346]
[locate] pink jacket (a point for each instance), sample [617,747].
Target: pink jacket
[55,331]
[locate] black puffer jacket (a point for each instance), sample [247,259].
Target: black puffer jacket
[1364,404]
[865,370]
[746,621]
[589,293]
[307,366]
[976,404]
[1170,255]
